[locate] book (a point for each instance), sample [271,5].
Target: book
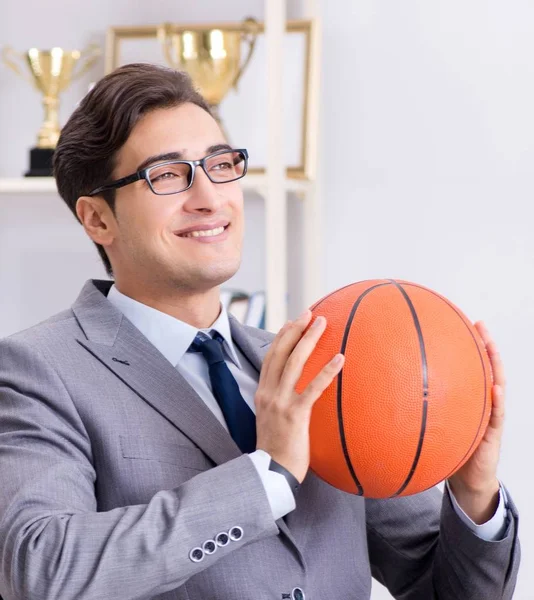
[239,307]
[248,309]
[229,295]
[255,316]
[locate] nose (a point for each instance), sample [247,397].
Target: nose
[203,195]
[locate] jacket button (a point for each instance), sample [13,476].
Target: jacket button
[222,539]
[209,547]
[298,594]
[236,533]
[196,555]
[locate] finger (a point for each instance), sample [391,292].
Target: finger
[272,349]
[484,334]
[483,331]
[497,366]
[295,363]
[496,421]
[283,349]
[319,384]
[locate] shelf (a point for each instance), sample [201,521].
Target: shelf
[47,185]
[27,185]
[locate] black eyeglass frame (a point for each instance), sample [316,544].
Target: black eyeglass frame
[144,173]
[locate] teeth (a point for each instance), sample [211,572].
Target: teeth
[206,233]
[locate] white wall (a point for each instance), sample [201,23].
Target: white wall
[429,145]
[427,153]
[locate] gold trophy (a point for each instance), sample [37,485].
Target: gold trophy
[51,72]
[211,56]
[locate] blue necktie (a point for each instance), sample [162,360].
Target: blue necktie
[239,417]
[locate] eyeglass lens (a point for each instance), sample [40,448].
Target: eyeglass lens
[175,177]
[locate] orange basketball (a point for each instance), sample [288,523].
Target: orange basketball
[413,399]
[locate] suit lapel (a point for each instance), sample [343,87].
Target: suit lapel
[122,348]
[253,343]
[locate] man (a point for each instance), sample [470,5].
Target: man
[152,447]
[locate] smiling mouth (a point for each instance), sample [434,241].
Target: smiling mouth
[205,233]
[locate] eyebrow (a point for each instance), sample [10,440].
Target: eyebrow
[151,160]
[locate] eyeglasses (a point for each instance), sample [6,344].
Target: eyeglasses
[175,176]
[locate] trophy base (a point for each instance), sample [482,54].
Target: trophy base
[40,162]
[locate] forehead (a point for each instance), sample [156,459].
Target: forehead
[186,128]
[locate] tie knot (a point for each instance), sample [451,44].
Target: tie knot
[211,348]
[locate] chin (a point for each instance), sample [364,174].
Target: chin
[207,277]
[220,276]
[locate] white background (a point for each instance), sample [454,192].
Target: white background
[426,152]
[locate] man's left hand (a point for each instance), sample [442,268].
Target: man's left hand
[475,485]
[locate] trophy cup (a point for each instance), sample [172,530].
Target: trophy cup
[51,72]
[212,57]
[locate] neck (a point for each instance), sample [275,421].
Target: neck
[199,309]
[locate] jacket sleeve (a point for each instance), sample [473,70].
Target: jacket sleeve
[420,548]
[54,543]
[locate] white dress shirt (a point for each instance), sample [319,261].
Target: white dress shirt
[173,337]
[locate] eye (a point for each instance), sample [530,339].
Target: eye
[162,176]
[223,166]
[169,172]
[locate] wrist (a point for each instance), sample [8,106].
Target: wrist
[485,489]
[290,478]
[478,503]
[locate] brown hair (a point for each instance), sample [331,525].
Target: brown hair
[87,148]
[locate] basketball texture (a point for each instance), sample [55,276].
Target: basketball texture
[413,399]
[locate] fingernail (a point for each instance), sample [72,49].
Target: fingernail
[318,322]
[305,314]
[338,359]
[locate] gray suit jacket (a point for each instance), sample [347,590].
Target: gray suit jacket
[112,470]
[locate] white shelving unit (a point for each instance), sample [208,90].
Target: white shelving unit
[27,185]
[273,185]
[277,184]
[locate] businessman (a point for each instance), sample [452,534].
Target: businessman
[152,447]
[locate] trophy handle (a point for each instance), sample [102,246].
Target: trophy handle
[249,35]
[8,56]
[164,36]
[89,56]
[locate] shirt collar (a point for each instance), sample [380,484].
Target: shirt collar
[169,335]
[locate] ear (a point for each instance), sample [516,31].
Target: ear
[97,219]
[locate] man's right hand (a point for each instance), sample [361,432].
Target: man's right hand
[282,415]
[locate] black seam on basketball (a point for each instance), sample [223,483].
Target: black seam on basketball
[340,388]
[424,367]
[481,362]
